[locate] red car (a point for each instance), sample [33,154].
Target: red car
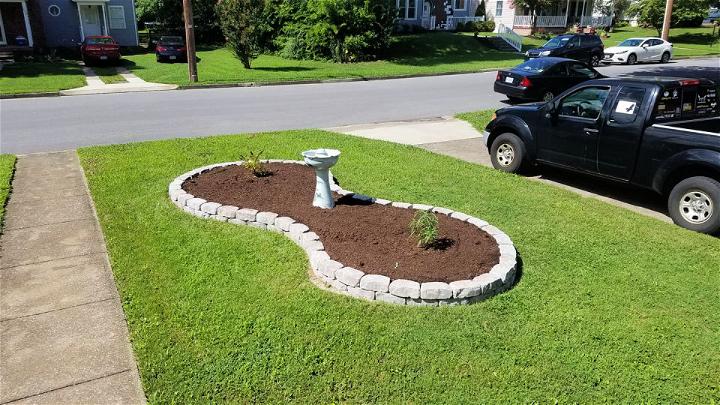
[98,49]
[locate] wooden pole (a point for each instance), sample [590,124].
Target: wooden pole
[666,21]
[190,41]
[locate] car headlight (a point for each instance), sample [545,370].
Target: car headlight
[544,53]
[527,53]
[621,52]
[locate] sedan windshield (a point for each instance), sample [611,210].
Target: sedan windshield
[168,40]
[631,42]
[99,41]
[556,42]
[534,66]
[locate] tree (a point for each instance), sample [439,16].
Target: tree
[534,6]
[168,14]
[480,10]
[614,8]
[241,22]
[686,13]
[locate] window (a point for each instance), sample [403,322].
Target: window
[407,9]
[584,103]
[459,4]
[574,42]
[558,70]
[54,10]
[580,70]
[117,17]
[628,104]
[656,42]
[647,43]
[498,8]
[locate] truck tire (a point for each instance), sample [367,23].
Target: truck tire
[507,153]
[694,204]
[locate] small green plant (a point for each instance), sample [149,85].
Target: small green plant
[253,163]
[424,228]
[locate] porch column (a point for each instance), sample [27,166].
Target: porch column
[567,10]
[82,31]
[27,23]
[106,28]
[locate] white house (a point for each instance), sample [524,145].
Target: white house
[556,19]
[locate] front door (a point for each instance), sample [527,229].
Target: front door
[91,23]
[570,134]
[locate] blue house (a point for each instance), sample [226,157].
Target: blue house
[26,25]
[437,14]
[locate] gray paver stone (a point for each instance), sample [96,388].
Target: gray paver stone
[195,203]
[435,291]
[465,288]
[309,236]
[492,230]
[375,282]
[460,216]
[273,228]
[257,225]
[360,293]
[400,204]
[477,222]
[218,218]
[405,288]
[174,194]
[504,270]
[422,207]
[338,285]
[387,297]
[267,218]
[508,251]
[284,223]
[422,303]
[502,239]
[441,210]
[349,276]
[200,214]
[297,228]
[210,207]
[228,211]
[329,268]
[318,257]
[490,282]
[237,221]
[312,245]
[382,201]
[246,214]
[184,198]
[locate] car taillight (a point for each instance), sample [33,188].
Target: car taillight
[181,49]
[161,48]
[689,82]
[525,82]
[498,77]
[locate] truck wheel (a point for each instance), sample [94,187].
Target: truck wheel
[507,153]
[595,60]
[694,203]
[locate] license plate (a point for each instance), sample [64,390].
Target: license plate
[173,57]
[103,58]
[509,80]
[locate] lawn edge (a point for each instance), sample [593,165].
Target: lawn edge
[5,198]
[31,95]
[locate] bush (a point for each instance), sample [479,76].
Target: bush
[243,27]
[485,26]
[340,30]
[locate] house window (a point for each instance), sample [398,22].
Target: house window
[498,8]
[54,10]
[407,9]
[117,17]
[459,4]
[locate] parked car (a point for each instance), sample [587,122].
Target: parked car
[657,133]
[633,50]
[170,48]
[542,78]
[713,15]
[99,49]
[583,47]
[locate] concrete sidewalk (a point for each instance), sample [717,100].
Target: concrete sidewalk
[456,138]
[63,332]
[132,84]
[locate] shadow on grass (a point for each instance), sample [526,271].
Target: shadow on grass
[695,39]
[282,68]
[39,69]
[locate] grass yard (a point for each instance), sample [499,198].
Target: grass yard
[7,168]
[412,54]
[612,306]
[38,77]
[108,74]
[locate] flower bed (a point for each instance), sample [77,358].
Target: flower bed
[362,246]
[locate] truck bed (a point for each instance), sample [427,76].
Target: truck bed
[705,125]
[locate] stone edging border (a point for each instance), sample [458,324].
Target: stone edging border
[350,281]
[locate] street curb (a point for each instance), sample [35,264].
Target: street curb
[31,95]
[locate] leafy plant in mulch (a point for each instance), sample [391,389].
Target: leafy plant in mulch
[253,163]
[424,228]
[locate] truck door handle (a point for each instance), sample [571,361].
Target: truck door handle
[590,131]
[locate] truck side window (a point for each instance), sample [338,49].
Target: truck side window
[627,105]
[584,103]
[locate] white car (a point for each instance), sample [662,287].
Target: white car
[635,50]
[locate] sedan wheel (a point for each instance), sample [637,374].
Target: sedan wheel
[632,59]
[548,96]
[665,57]
[595,60]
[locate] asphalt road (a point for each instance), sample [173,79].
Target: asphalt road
[60,123]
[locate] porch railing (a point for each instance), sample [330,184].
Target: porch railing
[453,21]
[510,36]
[603,21]
[542,21]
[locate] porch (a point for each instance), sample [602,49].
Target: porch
[562,16]
[15,30]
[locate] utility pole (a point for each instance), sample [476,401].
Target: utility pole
[666,21]
[190,40]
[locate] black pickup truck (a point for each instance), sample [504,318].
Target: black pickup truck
[658,133]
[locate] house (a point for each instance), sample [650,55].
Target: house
[27,25]
[433,14]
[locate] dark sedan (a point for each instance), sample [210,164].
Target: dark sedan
[170,48]
[542,78]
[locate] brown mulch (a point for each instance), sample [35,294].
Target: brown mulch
[369,237]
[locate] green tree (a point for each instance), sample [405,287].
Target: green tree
[685,13]
[480,10]
[242,23]
[534,6]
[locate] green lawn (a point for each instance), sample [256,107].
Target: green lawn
[108,74]
[7,168]
[37,77]
[612,306]
[412,54]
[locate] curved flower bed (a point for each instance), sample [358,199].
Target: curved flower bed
[348,280]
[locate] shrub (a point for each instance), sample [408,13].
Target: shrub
[485,26]
[243,27]
[424,228]
[253,163]
[480,10]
